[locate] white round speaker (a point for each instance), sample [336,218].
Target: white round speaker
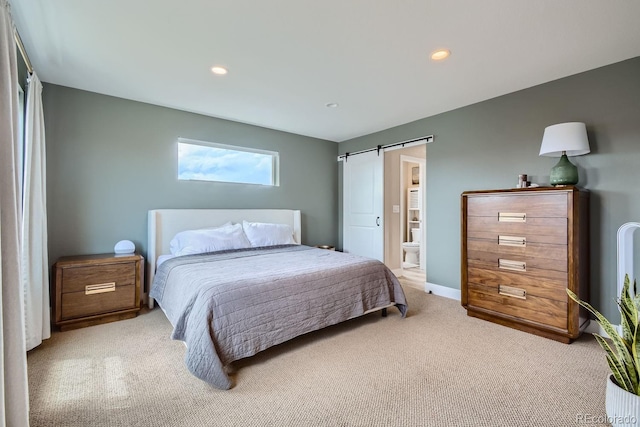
[124,247]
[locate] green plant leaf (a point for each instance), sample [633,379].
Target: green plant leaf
[631,331]
[623,354]
[616,372]
[636,297]
[629,322]
[629,312]
[627,329]
[636,359]
[618,368]
[634,324]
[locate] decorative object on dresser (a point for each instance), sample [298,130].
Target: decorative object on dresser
[93,289]
[521,250]
[562,140]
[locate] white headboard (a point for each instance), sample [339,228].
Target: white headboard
[163,224]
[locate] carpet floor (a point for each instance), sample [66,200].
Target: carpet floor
[436,367]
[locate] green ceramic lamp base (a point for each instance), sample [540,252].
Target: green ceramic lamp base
[564,173]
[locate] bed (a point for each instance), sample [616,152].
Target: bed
[229,304]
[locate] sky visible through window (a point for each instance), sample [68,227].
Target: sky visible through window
[210,163]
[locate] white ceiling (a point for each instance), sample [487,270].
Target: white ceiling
[288,58]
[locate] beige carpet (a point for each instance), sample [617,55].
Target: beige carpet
[437,367]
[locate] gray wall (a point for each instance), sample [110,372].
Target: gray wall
[486,146]
[110,160]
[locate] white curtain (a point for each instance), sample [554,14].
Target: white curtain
[35,261]
[13,359]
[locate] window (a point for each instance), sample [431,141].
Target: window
[207,161]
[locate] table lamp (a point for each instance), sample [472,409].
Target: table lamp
[562,140]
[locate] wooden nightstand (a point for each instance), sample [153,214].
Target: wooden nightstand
[93,289]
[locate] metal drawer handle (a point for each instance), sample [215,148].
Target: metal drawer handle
[507,264]
[100,288]
[512,241]
[512,292]
[512,217]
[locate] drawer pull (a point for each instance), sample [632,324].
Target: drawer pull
[512,241]
[100,288]
[512,292]
[512,217]
[512,265]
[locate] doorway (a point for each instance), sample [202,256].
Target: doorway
[413,222]
[390,214]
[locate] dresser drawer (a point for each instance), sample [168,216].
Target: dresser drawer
[497,258]
[532,270]
[535,230]
[75,279]
[534,309]
[531,282]
[523,206]
[81,304]
[556,253]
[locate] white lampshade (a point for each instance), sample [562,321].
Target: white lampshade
[565,137]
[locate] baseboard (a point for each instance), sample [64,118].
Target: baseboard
[595,328]
[442,291]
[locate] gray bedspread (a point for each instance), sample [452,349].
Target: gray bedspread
[229,305]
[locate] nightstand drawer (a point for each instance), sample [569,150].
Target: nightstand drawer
[81,304]
[510,206]
[76,279]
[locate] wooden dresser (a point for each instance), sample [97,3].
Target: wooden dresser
[521,249]
[92,289]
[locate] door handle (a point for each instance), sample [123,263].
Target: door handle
[378,221]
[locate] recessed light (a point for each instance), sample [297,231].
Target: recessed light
[221,71]
[331,105]
[440,54]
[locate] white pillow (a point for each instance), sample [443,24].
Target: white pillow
[204,240]
[265,234]
[183,238]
